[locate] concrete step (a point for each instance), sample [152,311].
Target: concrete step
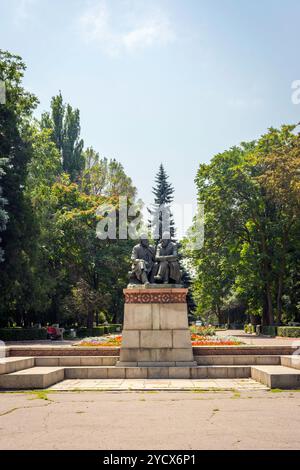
[276,376]
[13,364]
[62,361]
[223,372]
[29,379]
[273,376]
[244,360]
[200,372]
[291,361]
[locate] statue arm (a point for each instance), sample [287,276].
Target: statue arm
[172,257]
[157,255]
[134,255]
[167,258]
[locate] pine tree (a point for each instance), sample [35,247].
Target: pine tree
[163,196]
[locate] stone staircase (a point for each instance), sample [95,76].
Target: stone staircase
[276,376]
[27,373]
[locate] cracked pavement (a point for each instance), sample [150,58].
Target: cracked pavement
[150,420]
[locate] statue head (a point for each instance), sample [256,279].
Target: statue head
[144,240]
[166,238]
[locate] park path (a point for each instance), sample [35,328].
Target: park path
[258,340]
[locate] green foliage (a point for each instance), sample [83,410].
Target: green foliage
[22,334]
[98,330]
[64,122]
[269,330]
[55,268]
[289,331]
[163,196]
[251,249]
[18,240]
[203,330]
[101,317]
[105,177]
[3,202]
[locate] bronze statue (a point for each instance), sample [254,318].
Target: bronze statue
[161,267]
[143,258]
[167,267]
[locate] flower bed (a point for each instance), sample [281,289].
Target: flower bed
[197,340]
[101,341]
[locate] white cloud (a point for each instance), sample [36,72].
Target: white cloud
[156,31]
[118,31]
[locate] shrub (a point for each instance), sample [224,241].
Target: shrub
[102,318]
[289,331]
[203,330]
[87,332]
[268,330]
[22,334]
[114,328]
[98,330]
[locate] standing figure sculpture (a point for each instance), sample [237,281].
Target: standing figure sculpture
[143,258]
[167,267]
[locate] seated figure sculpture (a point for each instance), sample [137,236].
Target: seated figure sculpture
[167,267]
[143,258]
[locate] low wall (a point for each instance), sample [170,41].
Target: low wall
[32,351]
[244,350]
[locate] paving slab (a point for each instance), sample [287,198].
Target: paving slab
[157,384]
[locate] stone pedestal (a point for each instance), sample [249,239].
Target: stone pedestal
[155,331]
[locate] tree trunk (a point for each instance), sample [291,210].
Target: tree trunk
[279,299]
[266,268]
[269,305]
[90,319]
[218,313]
[281,277]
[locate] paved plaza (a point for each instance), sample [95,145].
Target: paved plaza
[256,419]
[129,414]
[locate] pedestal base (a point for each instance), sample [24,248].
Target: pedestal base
[156,332]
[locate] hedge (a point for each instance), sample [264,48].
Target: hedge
[22,334]
[268,330]
[289,331]
[98,330]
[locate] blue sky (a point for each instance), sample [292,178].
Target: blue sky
[172,81]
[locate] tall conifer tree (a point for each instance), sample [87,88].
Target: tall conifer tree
[163,192]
